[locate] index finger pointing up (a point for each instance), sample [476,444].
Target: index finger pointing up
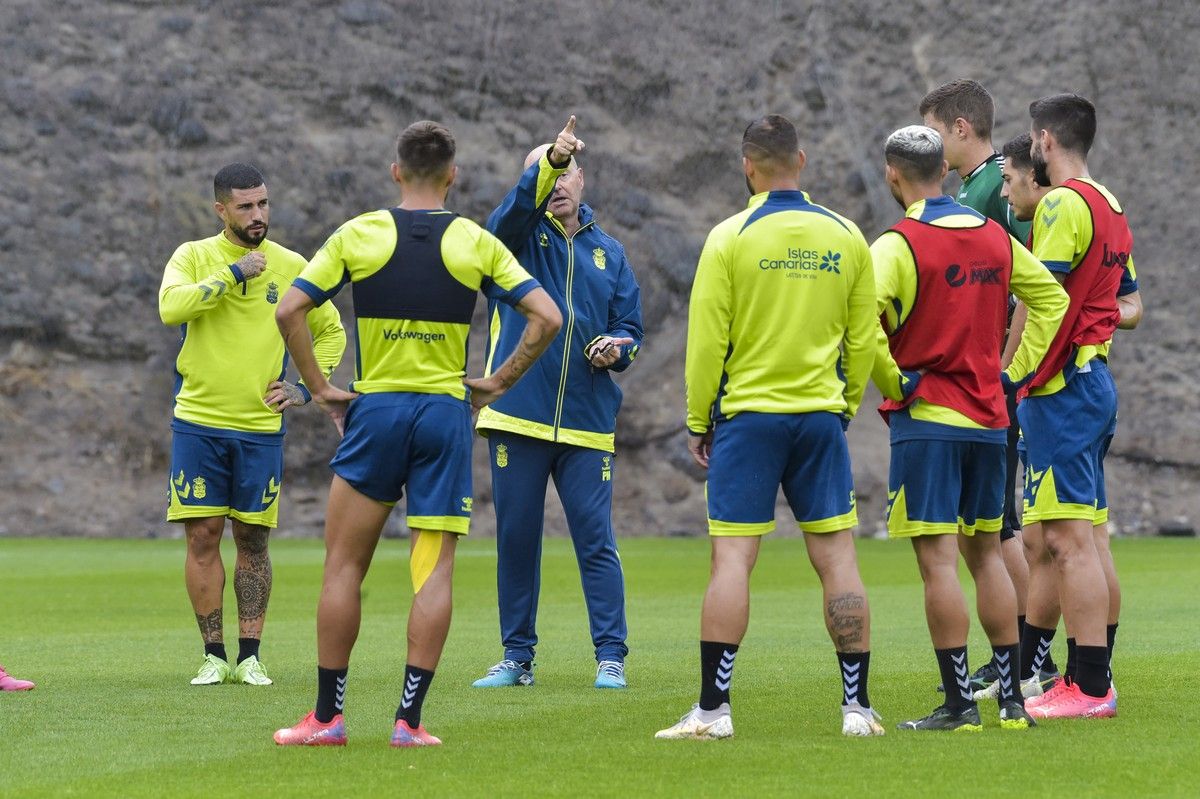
[570,128]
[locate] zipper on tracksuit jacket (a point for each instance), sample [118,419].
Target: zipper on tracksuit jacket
[562,380]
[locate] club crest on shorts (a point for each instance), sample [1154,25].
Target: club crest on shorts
[501,456]
[606,468]
[199,488]
[543,239]
[272,292]
[598,258]
[467,504]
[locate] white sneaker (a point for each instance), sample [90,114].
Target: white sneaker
[1029,689]
[859,720]
[1032,687]
[701,725]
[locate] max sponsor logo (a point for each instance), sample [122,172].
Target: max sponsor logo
[975,276]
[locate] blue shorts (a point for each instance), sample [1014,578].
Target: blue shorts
[754,453]
[1101,515]
[1066,436]
[940,487]
[218,472]
[422,441]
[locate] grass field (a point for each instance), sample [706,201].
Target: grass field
[105,629]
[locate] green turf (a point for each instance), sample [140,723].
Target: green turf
[105,629]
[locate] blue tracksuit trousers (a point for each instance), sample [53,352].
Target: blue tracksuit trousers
[521,467]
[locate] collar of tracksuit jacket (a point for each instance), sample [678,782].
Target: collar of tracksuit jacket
[562,397]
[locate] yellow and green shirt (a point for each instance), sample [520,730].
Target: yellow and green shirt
[1062,236]
[782,314]
[231,348]
[413,294]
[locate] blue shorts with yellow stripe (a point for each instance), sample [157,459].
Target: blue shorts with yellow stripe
[1066,436]
[422,441]
[217,472]
[753,454]
[944,479]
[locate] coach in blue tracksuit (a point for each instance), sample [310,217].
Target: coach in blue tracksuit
[558,421]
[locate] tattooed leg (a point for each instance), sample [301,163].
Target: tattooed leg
[204,574]
[847,615]
[251,577]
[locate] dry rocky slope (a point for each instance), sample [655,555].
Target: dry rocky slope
[114,116]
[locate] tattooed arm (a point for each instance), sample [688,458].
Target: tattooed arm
[542,322]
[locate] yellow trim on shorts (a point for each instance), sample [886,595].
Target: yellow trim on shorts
[718,528]
[459,525]
[179,512]
[1061,510]
[264,518]
[1100,517]
[981,526]
[833,524]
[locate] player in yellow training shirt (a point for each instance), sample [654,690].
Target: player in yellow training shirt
[1081,234]
[415,272]
[230,393]
[781,333]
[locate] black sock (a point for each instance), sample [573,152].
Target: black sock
[247,648]
[1112,639]
[331,693]
[953,665]
[416,683]
[1091,670]
[716,673]
[1020,627]
[855,667]
[1072,662]
[525,664]
[1035,649]
[216,649]
[1005,658]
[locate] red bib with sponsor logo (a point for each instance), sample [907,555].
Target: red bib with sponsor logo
[955,330]
[1092,285]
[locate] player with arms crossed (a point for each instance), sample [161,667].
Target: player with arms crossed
[227,430]
[415,271]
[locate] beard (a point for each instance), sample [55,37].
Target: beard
[250,238]
[1041,172]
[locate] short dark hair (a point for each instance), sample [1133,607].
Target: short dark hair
[425,150]
[917,152]
[961,98]
[1016,151]
[1070,117]
[771,139]
[236,176]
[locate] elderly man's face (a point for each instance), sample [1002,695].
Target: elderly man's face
[567,194]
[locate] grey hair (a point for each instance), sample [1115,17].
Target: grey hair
[915,150]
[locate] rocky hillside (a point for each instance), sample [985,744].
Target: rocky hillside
[114,116]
